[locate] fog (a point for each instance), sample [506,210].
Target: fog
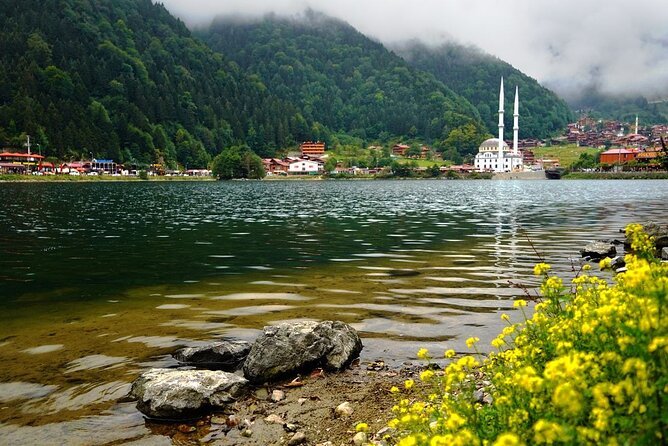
[619,47]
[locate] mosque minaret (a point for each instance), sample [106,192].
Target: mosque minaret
[501,142]
[494,155]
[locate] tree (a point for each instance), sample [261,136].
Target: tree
[237,162]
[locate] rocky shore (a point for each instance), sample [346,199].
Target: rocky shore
[298,383]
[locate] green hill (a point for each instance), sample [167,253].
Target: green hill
[476,75]
[124,79]
[346,82]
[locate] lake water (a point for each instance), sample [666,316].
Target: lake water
[99,281]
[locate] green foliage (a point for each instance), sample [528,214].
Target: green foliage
[476,75]
[586,161]
[237,162]
[143,175]
[621,108]
[588,367]
[341,80]
[124,80]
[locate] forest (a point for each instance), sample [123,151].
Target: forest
[475,75]
[124,79]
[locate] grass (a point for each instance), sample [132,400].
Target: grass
[567,155]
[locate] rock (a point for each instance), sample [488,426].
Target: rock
[344,410]
[225,355]
[617,262]
[598,250]
[185,429]
[246,433]
[179,394]
[273,418]
[290,348]
[297,438]
[664,254]
[218,420]
[360,438]
[290,427]
[277,395]
[301,401]
[621,270]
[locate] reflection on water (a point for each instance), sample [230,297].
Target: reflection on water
[100,281]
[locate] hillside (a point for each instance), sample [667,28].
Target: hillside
[124,79]
[476,75]
[345,81]
[620,108]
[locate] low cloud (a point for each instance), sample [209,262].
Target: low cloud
[568,45]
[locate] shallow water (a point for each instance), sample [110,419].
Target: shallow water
[99,281]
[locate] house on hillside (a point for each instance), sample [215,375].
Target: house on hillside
[618,156]
[305,167]
[274,166]
[399,149]
[312,148]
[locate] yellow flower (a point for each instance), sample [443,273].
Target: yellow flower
[394,389]
[507,439]
[541,268]
[449,353]
[505,317]
[520,303]
[605,263]
[426,375]
[423,353]
[409,383]
[471,341]
[362,427]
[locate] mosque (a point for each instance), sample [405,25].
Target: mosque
[494,154]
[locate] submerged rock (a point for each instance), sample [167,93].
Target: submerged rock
[225,355]
[289,348]
[598,250]
[182,394]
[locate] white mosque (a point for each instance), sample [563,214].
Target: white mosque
[494,154]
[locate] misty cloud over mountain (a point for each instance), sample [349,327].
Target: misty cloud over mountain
[617,48]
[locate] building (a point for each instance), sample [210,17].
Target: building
[274,166]
[14,162]
[618,156]
[494,154]
[304,167]
[312,148]
[400,149]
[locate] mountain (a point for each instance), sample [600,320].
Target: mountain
[620,108]
[344,81]
[126,80]
[476,75]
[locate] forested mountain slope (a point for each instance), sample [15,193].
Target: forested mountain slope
[126,80]
[344,80]
[476,75]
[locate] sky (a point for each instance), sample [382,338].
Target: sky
[621,47]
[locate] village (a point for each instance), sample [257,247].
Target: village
[621,146]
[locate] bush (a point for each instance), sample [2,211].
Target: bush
[589,367]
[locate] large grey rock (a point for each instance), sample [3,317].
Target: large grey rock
[224,355]
[598,250]
[664,254]
[181,394]
[292,347]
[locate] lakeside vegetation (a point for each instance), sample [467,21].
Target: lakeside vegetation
[589,367]
[631,175]
[566,154]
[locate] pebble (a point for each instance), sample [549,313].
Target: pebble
[344,409]
[273,418]
[327,443]
[277,395]
[184,428]
[218,420]
[359,439]
[301,401]
[246,433]
[297,438]
[290,427]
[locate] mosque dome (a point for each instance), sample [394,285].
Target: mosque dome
[492,143]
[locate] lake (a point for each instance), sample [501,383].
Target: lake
[100,281]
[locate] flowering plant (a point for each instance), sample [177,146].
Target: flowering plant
[588,367]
